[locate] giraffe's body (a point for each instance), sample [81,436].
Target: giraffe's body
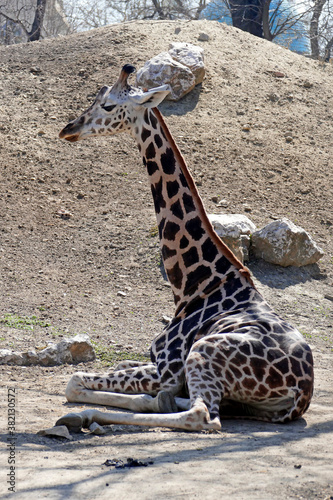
[225,345]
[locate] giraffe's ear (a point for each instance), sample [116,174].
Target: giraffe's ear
[153,97]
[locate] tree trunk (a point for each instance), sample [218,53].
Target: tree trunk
[247,16]
[37,24]
[265,20]
[328,49]
[314,28]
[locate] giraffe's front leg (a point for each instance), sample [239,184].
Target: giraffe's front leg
[195,419]
[136,389]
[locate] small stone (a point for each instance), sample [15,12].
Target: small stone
[289,138]
[246,127]
[64,214]
[278,74]
[273,97]
[166,319]
[121,294]
[307,84]
[41,132]
[35,70]
[56,431]
[97,429]
[297,466]
[215,199]
[222,203]
[203,37]
[177,31]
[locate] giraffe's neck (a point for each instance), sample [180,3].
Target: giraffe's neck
[195,259]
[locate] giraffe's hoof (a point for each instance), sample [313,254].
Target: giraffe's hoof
[166,402]
[73,421]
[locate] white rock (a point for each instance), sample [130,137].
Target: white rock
[74,350]
[50,356]
[9,357]
[97,429]
[190,56]
[235,230]
[282,242]
[79,347]
[163,70]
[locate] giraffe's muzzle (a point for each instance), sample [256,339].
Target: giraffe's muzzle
[72,130]
[69,134]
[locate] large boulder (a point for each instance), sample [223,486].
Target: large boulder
[191,56]
[182,68]
[235,230]
[282,242]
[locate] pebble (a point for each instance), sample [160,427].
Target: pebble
[121,294]
[97,429]
[273,97]
[56,431]
[203,37]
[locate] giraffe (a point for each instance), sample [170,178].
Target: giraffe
[225,353]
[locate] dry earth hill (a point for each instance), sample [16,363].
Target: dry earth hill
[77,226]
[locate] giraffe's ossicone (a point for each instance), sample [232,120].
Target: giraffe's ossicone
[225,352]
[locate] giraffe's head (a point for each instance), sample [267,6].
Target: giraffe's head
[115,109]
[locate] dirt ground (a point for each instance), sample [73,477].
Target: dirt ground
[78,226]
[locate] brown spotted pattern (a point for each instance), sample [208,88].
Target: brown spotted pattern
[225,346]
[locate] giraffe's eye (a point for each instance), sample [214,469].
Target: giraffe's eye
[109,108]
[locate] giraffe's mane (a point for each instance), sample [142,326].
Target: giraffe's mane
[224,249]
